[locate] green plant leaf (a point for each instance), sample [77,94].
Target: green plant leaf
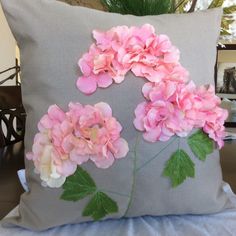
[99,206]
[201,145]
[179,8]
[216,3]
[179,167]
[225,32]
[139,7]
[226,23]
[230,10]
[78,186]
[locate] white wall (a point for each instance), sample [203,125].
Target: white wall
[7,47]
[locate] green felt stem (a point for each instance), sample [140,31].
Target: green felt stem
[154,157]
[134,175]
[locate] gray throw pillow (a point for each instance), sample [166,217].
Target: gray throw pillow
[52,37]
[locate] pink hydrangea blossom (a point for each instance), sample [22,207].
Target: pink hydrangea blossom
[122,49]
[215,116]
[69,139]
[175,108]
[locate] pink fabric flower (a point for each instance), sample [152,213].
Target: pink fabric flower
[121,49]
[175,108]
[215,116]
[96,135]
[69,139]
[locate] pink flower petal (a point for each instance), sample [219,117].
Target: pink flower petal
[104,80]
[118,78]
[67,143]
[103,162]
[172,56]
[45,123]
[84,67]
[56,113]
[147,89]
[104,108]
[122,148]
[30,156]
[78,159]
[67,168]
[87,85]
[153,135]
[139,124]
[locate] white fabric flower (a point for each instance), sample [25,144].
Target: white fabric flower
[47,170]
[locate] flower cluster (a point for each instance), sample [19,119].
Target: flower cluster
[122,49]
[66,140]
[174,105]
[174,108]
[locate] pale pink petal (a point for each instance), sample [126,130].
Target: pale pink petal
[37,148]
[67,143]
[163,137]
[104,108]
[172,56]
[220,143]
[144,32]
[78,159]
[153,135]
[122,148]
[140,109]
[42,138]
[139,124]
[66,127]
[100,37]
[104,80]
[87,85]
[45,123]
[183,133]
[103,162]
[30,156]
[67,168]
[118,78]
[167,132]
[84,67]
[147,89]
[56,113]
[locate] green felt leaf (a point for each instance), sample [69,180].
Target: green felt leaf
[179,167]
[216,3]
[201,145]
[78,186]
[99,206]
[230,10]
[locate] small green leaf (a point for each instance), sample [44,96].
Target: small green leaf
[139,7]
[225,32]
[216,3]
[78,186]
[99,206]
[226,23]
[179,167]
[230,10]
[181,5]
[201,145]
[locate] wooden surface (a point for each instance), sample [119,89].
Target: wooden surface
[10,97]
[10,188]
[228,163]
[11,160]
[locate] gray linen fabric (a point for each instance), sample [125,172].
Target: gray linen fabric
[52,36]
